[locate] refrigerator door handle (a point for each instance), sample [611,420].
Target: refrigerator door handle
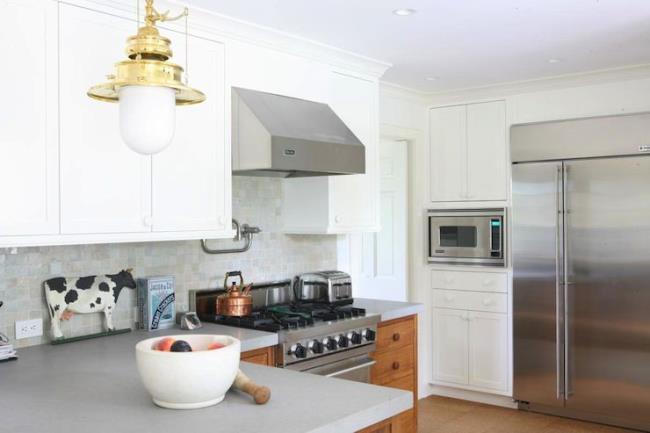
[559,299]
[567,341]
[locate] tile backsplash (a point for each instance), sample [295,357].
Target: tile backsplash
[256,201]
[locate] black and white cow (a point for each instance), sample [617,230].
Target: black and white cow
[91,294]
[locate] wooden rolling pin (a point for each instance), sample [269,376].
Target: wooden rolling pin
[261,394]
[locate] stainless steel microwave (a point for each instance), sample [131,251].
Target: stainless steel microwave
[467,236]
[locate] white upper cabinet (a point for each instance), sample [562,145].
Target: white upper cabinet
[28,119]
[347,203]
[105,186]
[468,159]
[448,153]
[486,152]
[355,198]
[191,178]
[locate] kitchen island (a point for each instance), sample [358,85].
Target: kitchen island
[93,387]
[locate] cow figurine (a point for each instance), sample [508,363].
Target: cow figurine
[92,294]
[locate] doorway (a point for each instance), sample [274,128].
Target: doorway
[384,254]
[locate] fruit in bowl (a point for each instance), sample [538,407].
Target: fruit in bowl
[188,371]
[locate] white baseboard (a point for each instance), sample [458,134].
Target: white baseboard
[475,396]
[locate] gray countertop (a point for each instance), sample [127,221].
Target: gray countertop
[93,386]
[388,310]
[250,339]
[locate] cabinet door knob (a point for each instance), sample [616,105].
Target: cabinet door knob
[337,219]
[147,221]
[396,336]
[395,365]
[220,220]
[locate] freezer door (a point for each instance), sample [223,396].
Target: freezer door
[537,291]
[608,288]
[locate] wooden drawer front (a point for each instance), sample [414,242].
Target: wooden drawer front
[473,301]
[405,422]
[407,382]
[262,356]
[393,365]
[396,334]
[470,281]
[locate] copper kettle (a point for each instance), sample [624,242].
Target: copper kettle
[237,300]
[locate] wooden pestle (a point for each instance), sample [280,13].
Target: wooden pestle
[261,394]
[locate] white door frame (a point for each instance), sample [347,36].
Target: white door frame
[348,246]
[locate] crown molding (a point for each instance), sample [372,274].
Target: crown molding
[625,73]
[397,91]
[210,25]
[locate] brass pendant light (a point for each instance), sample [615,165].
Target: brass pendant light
[146,74]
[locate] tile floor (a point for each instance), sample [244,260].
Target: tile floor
[446,415]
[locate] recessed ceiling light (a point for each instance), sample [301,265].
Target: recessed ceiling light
[554,60]
[404,12]
[432,78]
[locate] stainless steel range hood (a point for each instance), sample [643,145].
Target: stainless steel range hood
[279,136]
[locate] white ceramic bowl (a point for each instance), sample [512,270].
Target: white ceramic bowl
[188,380]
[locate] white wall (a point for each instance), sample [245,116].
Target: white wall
[401,111]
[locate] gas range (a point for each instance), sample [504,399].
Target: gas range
[310,334]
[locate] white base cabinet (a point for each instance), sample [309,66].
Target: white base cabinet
[470,331]
[468,155]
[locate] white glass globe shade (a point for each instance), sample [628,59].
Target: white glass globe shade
[147,117]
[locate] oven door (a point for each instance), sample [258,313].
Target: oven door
[466,239]
[356,369]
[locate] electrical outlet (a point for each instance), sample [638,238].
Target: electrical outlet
[29,328]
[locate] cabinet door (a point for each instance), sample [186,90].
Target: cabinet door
[354,200]
[105,186]
[191,178]
[448,153]
[28,119]
[486,151]
[488,350]
[450,345]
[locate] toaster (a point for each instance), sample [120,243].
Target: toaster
[330,287]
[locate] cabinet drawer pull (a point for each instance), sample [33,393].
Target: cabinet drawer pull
[449,298]
[488,282]
[395,365]
[396,336]
[487,301]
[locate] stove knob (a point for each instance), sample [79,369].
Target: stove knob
[331,344]
[355,337]
[343,341]
[316,346]
[369,334]
[300,351]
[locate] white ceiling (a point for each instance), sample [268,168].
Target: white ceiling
[465,43]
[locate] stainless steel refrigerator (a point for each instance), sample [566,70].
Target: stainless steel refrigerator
[581,268]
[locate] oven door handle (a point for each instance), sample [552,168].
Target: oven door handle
[341,367]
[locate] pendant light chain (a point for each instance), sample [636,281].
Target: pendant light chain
[187,50]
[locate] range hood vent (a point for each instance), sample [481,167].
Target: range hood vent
[279,136]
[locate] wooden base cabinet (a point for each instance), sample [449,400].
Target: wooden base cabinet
[402,423]
[263,356]
[397,367]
